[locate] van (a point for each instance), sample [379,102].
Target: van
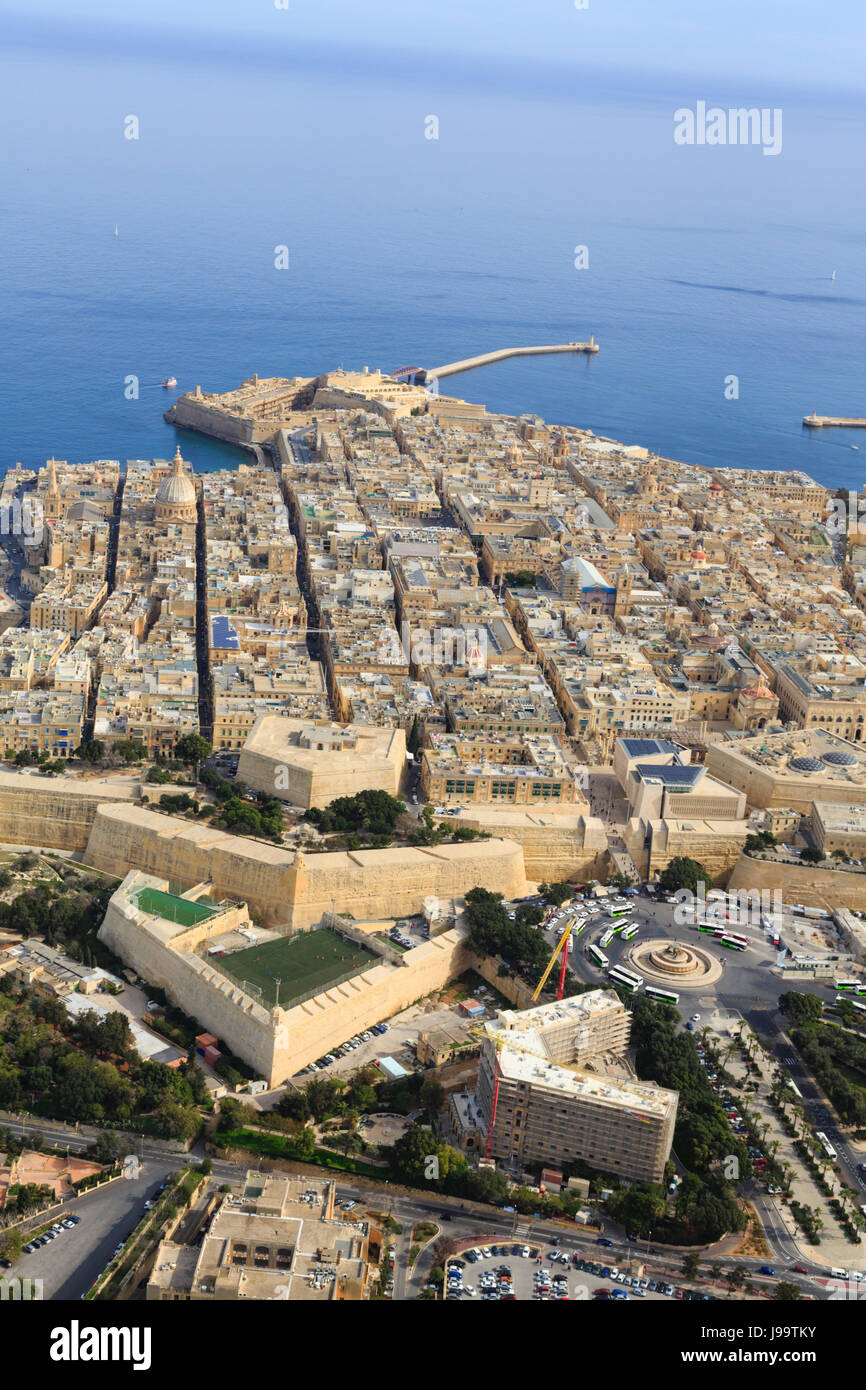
[839,1273]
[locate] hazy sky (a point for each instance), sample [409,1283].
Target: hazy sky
[769,44]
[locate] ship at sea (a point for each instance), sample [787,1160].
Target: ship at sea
[169,381]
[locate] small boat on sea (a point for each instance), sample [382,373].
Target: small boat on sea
[169,382]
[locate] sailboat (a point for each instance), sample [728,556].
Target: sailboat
[833,276]
[116,232]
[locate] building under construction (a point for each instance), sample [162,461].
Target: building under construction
[551,1089]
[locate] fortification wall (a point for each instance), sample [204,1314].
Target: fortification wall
[516,991]
[555,847]
[829,888]
[187,413]
[38,810]
[296,892]
[196,987]
[317,1026]
[188,853]
[394,882]
[277,1043]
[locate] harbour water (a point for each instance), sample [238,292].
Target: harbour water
[708,285]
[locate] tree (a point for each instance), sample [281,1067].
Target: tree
[107,1148]
[801,1008]
[691,1263]
[294,1105]
[192,748]
[556,893]
[432,1095]
[811,855]
[131,750]
[421,1160]
[785,1292]
[683,872]
[11,1245]
[91,751]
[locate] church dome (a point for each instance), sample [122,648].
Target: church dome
[175,497]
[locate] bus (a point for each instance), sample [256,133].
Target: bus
[630,932]
[667,995]
[626,978]
[608,937]
[861,988]
[733,943]
[825,1143]
[710,924]
[621,910]
[848,984]
[855,1004]
[741,940]
[598,956]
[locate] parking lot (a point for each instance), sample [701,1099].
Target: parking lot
[522,1272]
[69,1263]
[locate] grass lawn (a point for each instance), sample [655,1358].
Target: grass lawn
[307,962]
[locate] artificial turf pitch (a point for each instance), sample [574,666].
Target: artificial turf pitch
[304,964]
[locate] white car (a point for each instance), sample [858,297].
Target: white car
[696,1018]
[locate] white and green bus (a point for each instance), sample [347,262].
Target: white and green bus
[667,996]
[625,978]
[598,957]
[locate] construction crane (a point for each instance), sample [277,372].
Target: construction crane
[561,945]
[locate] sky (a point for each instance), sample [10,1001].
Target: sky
[756,49]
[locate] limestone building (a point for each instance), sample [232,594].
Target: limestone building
[310,764]
[277,1238]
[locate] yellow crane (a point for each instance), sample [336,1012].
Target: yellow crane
[561,945]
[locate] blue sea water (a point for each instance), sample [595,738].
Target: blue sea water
[704,263]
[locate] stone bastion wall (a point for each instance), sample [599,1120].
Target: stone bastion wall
[806,884]
[296,890]
[276,1042]
[55,811]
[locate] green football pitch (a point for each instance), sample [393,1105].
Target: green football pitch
[304,964]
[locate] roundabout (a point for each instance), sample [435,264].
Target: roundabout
[674,963]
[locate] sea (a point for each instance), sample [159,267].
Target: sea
[528,212]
